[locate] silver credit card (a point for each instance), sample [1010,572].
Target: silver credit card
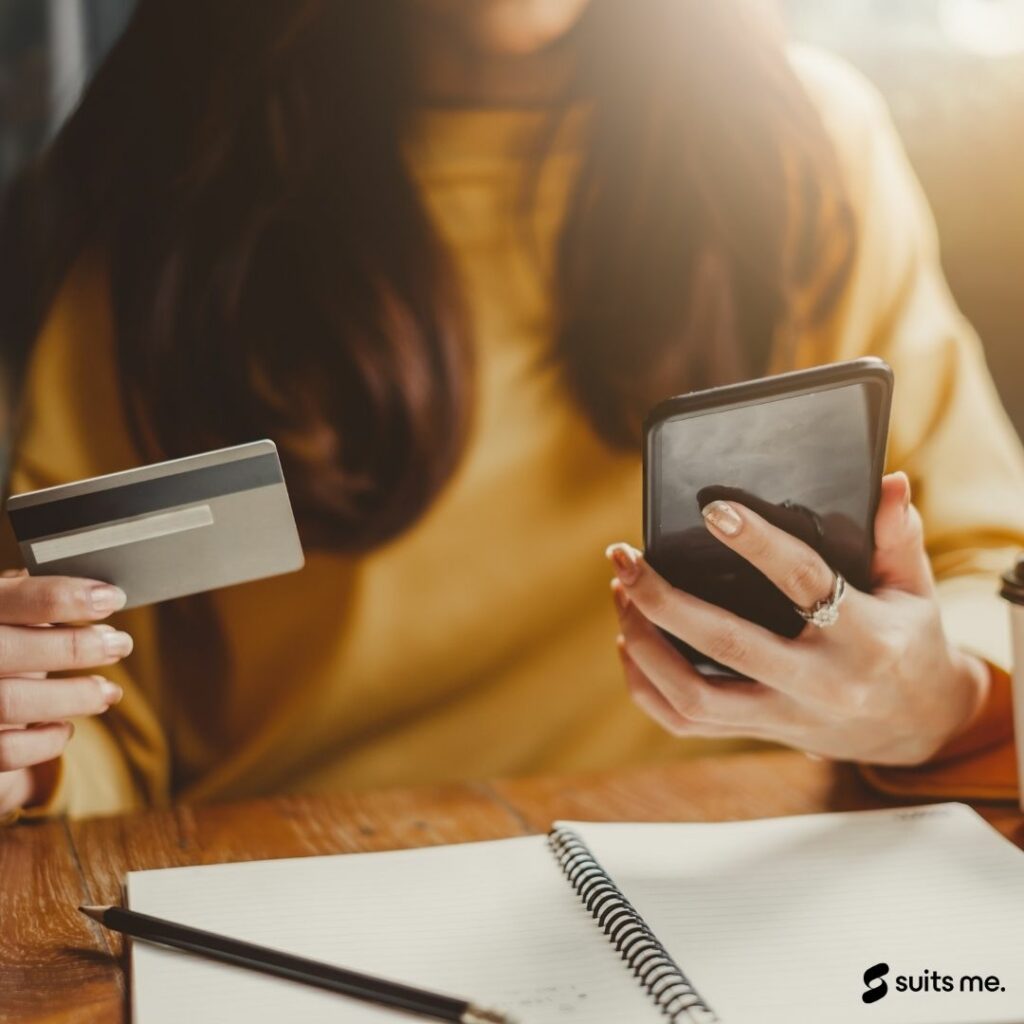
[166,530]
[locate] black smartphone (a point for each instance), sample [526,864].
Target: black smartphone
[806,450]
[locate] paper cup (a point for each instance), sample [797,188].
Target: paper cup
[1013,591]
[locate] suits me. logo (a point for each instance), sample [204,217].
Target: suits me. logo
[876,986]
[926,982]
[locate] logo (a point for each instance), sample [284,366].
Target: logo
[876,986]
[926,982]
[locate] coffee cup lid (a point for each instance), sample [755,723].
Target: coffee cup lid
[1013,582]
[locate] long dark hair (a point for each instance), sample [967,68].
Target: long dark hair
[274,272]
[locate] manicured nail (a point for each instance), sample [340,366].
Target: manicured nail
[112,693]
[117,644]
[906,492]
[620,595]
[723,517]
[626,561]
[106,599]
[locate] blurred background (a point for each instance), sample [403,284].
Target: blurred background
[952,71]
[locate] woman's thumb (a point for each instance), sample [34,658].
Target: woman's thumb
[900,562]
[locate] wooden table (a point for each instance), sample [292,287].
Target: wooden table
[55,965]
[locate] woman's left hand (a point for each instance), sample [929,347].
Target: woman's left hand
[882,684]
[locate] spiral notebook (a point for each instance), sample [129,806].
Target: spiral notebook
[758,922]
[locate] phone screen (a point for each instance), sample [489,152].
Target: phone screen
[806,461]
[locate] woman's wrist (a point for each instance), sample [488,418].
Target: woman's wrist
[977,677]
[964,705]
[989,720]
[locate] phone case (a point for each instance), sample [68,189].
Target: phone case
[794,518]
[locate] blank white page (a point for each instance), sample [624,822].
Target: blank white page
[493,922]
[775,921]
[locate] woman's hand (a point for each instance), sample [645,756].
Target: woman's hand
[882,685]
[33,709]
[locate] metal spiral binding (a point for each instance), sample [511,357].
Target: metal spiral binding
[660,976]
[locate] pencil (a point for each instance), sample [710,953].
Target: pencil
[295,968]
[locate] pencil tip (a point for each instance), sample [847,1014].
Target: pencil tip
[479,1015]
[96,913]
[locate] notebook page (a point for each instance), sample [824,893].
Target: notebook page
[776,921]
[492,922]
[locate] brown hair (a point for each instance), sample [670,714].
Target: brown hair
[274,272]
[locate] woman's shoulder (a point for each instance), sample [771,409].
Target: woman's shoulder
[853,111]
[76,330]
[845,96]
[81,303]
[71,422]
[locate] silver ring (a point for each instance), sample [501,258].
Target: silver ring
[825,613]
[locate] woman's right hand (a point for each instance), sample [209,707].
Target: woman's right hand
[34,640]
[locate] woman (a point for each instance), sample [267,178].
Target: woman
[447,253]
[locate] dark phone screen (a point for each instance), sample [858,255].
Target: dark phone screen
[806,462]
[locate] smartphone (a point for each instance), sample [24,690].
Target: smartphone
[806,450]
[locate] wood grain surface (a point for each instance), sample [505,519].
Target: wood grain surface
[55,965]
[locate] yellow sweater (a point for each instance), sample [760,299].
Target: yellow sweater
[482,641]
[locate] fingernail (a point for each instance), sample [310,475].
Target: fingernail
[112,693]
[906,492]
[626,561]
[620,595]
[106,598]
[117,644]
[723,517]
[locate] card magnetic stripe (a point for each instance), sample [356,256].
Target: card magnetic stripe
[146,496]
